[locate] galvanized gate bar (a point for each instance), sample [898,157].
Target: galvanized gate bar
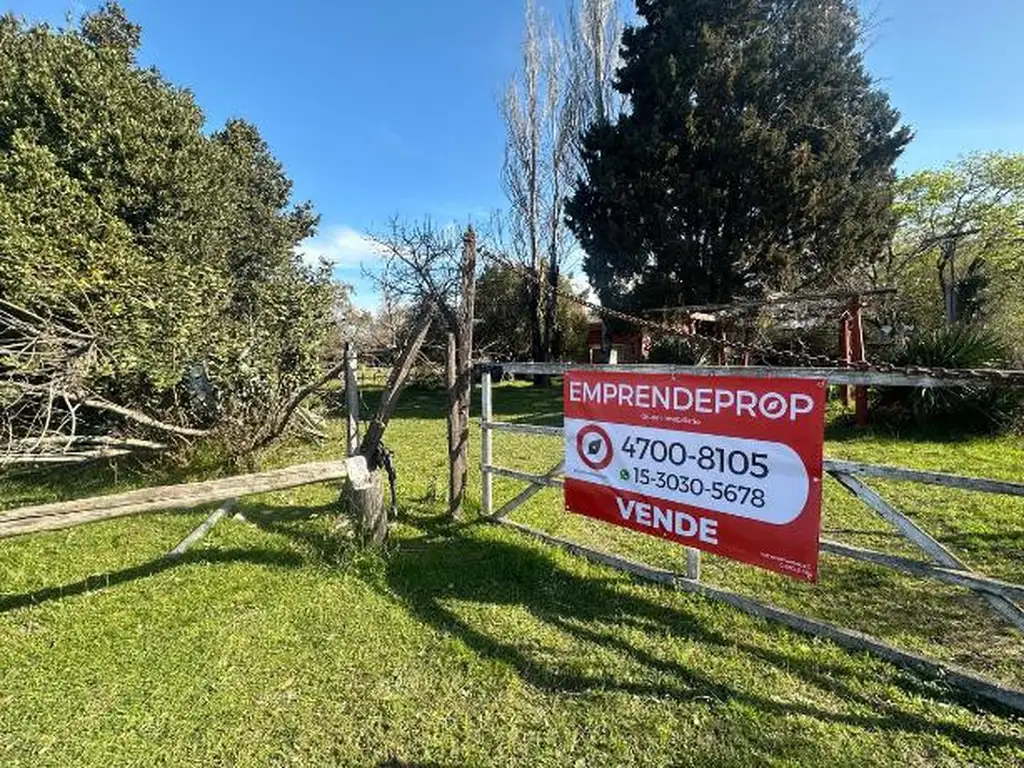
[525,429]
[950,569]
[951,674]
[486,443]
[912,531]
[926,570]
[982,484]
[531,490]
[894,517]
[831,375]
[526,477]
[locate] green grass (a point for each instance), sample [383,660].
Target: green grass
[273,643]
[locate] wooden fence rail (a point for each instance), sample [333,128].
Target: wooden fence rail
[65,514]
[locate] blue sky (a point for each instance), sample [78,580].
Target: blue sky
[380,108]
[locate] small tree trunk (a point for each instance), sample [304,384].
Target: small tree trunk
[537,350]
[606,343]
[396,384]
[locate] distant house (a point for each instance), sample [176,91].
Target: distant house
[629,347]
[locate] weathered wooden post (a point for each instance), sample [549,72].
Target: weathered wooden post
[845,332]
[461,386]
[454,425]
[364,497]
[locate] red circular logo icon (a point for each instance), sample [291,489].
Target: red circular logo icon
[594,446]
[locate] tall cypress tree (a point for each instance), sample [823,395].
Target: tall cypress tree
[757,154]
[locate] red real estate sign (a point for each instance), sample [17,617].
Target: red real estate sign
[730,465]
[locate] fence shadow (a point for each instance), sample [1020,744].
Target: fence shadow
[490,572]
[96,582]
[447,563]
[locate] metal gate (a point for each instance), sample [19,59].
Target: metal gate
[1003,597]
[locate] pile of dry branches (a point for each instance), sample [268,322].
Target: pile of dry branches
[49,415]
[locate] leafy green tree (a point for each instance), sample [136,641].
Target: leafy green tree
[960,242]
[757,155]
[504,318]
[121,221]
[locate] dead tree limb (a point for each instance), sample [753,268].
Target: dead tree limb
[396,384]
[282,423]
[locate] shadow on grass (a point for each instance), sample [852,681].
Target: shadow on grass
[496,573]
[319,544]
[277,558]
[457,562]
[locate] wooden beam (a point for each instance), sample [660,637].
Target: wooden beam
[795,299]
[65,514]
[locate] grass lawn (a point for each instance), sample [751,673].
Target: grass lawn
[272,643]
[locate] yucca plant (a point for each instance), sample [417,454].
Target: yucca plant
[975,407]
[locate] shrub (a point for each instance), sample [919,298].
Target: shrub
[678,350]
[976,407]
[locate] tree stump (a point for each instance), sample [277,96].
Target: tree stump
[363,497]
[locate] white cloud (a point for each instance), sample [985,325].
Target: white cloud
[580,284]
[342,248]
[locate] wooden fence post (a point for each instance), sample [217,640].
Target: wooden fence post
[462,385]
[723,346]
[454,427]
[352,398]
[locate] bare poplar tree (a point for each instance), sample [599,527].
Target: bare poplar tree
[522,175]
[595,34]
[564,84]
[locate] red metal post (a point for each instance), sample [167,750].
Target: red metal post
[860,392]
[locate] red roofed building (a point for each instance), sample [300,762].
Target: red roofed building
[629,346]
